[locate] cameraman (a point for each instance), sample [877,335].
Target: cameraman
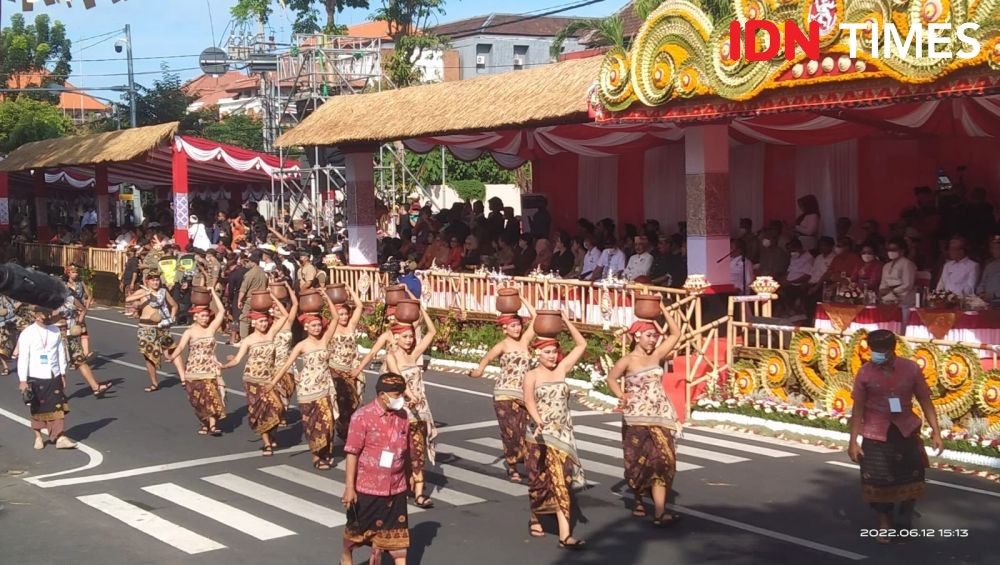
[410,279]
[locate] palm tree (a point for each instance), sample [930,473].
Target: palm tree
[609,31]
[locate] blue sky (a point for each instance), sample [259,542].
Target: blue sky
[181,29]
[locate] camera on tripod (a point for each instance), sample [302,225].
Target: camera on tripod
[392,268]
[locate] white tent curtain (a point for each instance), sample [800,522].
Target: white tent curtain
[746,184]
[597,188]
[664,182]
[831,173]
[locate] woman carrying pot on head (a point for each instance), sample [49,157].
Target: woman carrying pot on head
[404,356]
[282,349]
[343,357]
[67,319]
[650,426]
[8,331]
[514,352]
[202,378]
[264,407]
[552,462]
[313,386]
[156,313]
[82,294]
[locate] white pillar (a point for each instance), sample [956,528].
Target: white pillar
[359,206]
[706,164]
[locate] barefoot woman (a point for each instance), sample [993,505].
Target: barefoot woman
[343,357]
[203,373]
[553,466]
[508,397]
[405,357]
[650,421]
[264,409]
[313,386]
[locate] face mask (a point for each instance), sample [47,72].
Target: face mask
[838,250]
[795,254]
[268,267]
[879,358]
[894,255]
[395,403]
[867,257]
[765,242]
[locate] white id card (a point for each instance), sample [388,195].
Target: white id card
[894,405]
[385,461]
[43,359]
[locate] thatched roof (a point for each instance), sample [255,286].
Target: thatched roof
[111,147]
[546,95]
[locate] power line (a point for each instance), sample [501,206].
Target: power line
[152,57]
[551,12]
[97,36]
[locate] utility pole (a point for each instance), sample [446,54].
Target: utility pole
[131,75]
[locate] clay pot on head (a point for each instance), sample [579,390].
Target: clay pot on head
[200,296]
[395,293]
[647,306]
[407,311]
[508,301]
[260,301]
[548,323]
[337,293]
[310,301]
[279,290]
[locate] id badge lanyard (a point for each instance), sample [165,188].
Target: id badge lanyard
[895,403]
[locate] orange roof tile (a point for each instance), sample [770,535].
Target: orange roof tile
[67,100]
[374,29]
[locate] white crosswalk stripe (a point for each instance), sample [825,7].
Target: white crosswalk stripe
[219,511]
[148,523]
[273,497]
[478,469]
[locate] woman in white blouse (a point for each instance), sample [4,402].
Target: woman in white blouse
[899,275]
[807,224]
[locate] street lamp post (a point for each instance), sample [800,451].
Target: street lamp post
[131,75]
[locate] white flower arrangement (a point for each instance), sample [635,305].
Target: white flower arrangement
[696,283]
[765,286]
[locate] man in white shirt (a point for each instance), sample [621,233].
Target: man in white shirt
[198,234]
[89,218]
[590,259]
[821,263]
[124,239]
[612,261]
[41,366]
[639,264]
[960,273]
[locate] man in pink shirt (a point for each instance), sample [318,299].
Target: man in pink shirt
[377,459]
[891,456]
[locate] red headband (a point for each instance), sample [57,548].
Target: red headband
[254,315]
[507,319]
[543,343]
[198,309]
[401,328]
[307,318]
[641,326]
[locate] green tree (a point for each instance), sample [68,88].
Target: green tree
[427,167]
[23,120]
[307,13]
[608,32]
[30,49]
[246,11]
[240,130]
[408,21]
[165,102]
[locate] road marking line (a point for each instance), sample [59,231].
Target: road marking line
[768,533]
[449,495]
[167,467]
[929,481]
[322,484]
[158,372]
[219,511]
[472,455]
[456,389]
[151,524]
[479,479]
[790,444]
[588,466]
[95,457]
[273,497]
[736,446]
[470,426]
[688,451]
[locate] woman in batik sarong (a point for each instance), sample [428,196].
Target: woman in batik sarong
[650,426]
[8,331]
[508,398]
[79,291]
[264,408]
[202,378]
[156,314]
[404,356]
[343,358]
[282,349]
[891,455]
[313,386]
[552,462]
[67,319]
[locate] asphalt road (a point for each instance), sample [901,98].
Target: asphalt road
[145,488]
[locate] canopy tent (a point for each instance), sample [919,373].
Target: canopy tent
[148,157]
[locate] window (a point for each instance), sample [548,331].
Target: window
[520,56]
[483,55]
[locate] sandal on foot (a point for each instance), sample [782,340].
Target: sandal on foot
[101,389]
[268,450]
[215,432]
[203,431]
[321,465]
[639,509]
[536,533]
[514,477]
[5,372]
[666,519]
[152,388]
[423,501]
[575,544]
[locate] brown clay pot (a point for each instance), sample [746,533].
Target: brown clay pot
[508,301]
[407,311]
[337,293]
[200,296]
[279,290]
[548,323]
[310,301]
[647,306]
[260,301]
[395,293]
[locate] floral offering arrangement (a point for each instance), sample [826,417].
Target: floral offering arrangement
[765,286]
[849,293]
[696,283]
[942,299]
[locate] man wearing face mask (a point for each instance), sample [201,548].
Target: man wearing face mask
[377,451]
[899,275]
[845,262]
[891,456]
[773,258]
